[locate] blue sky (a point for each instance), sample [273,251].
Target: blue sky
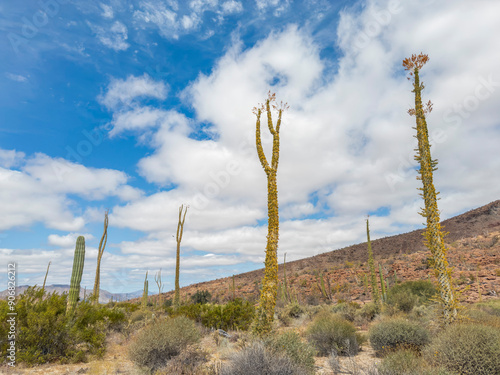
[141,106]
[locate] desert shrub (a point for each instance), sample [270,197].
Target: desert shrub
[482,316]
[407,362]
[283,317]
[256,359]
[190,361]
[127,307]
[466,349]
[394,334]
[290,344]
[292,310]
[408,294]
[46,334]
[158,342]
[401,362]
[139,316]
[347,310]
[330,332]
[402,300]
[491,307]
[201,297]
[237,314]
[369,311]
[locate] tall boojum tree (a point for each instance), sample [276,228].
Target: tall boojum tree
[371,266]
[434,234]
[178,237]
[267,303]
[102,245]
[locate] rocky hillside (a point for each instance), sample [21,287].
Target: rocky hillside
[474,253]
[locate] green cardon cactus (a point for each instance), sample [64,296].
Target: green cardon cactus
[76,275]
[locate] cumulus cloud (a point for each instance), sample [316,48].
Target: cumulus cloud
[66,240]
[10,158]
[122,92]
[38,191]
[346,141]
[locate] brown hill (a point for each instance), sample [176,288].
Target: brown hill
[474,253]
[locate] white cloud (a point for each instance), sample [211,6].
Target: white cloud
[158,14]
[136,119]
[107,11]
[66,240]
[279,5]
[70,178]
[115,37]
[10,158]
[38,192]
[231,6]
[123,92]
[16,77]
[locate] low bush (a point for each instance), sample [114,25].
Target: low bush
[481,316]
[347,310]
[466,349]
[289,312]
[409,294]
[401,362]
[369,311]
[157,343]
[393,334]
[237,314]
[407,362]
[139,316]
[290,344]
[45,333]
[330,332]
[190,361]
[256,359]
[201,297]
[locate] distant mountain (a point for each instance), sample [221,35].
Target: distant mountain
[104,295]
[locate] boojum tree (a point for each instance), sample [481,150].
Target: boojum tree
[265,311]
[434,235]
[100,252]
[371,266]
[178,237]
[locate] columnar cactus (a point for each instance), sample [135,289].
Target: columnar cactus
[102,245]
[76,275]
[180,230]
[145,292]
[371,265]
[265,311]
[434,234]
